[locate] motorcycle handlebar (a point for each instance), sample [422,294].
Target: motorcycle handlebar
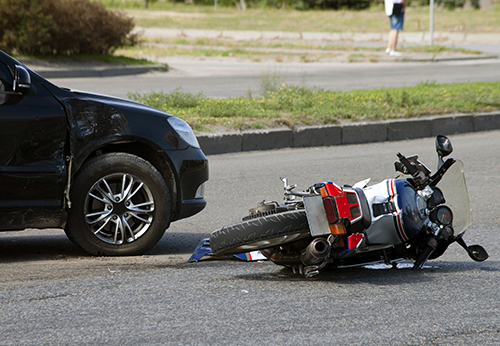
[410,168]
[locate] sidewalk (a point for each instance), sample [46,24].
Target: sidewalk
[374,45]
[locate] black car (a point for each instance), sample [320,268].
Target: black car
[111,172]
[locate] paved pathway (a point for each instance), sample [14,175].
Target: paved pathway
[489,44]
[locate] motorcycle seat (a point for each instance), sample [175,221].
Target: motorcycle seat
[366,220]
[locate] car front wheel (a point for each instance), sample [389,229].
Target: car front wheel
[121,205]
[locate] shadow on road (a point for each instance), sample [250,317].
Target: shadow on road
[38,245]
[384,277]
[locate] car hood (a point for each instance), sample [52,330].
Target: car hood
[119,103]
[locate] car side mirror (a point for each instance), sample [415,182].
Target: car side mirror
[443,148]
[22,81]
[22,86]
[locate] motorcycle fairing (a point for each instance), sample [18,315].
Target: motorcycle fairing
[346,200]
[326,211]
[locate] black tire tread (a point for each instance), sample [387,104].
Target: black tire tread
[227,240]
[76,229]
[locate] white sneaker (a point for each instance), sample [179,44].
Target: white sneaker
[394,53]
[387,51]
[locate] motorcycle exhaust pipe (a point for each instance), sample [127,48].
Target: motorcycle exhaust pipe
[281,259]
[316,252]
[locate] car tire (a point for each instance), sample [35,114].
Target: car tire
[260,233]
[120,205]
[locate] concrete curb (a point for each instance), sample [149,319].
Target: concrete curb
[454,58]
[114,71]
[355,133]
[108,71]
[246,35]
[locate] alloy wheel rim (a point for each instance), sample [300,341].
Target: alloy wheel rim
[119,208]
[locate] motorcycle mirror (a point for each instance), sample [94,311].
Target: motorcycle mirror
[477,253]
[443,146]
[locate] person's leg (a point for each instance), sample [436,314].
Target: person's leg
[396,25]
[393,40]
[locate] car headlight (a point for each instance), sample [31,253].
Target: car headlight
[200,193]
[184,131]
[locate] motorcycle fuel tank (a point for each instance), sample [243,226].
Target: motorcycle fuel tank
[397,214]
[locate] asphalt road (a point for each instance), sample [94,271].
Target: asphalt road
[53,294]
[230,78]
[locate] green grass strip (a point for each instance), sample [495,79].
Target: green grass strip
[292,105]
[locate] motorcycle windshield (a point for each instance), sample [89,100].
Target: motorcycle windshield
[457,198]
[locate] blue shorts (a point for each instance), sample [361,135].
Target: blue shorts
[397,21]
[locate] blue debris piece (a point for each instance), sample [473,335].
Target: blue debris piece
[204,249]
[201,250]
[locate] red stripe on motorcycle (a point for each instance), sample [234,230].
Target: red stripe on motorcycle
[397,214]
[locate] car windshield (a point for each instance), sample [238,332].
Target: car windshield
[456,196]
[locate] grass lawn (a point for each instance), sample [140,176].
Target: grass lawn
[280,104]
[162,14]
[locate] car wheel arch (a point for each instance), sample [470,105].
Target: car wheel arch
[161,162]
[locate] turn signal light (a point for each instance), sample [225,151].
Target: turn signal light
[337,229]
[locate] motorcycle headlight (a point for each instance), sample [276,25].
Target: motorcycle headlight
[184,131]
[442,215]
[421,206]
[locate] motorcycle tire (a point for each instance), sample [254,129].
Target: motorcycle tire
[260,233]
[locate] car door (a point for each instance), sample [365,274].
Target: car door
[33,171]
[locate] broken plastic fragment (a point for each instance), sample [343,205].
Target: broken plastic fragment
[203,249]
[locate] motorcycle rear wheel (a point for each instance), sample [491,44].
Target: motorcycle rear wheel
[260,233]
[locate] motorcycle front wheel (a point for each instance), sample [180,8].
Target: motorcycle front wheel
[260,233]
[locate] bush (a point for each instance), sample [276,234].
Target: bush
[61,27]
[332,4]
[453,4]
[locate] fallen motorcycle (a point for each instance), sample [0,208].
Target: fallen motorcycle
[415,216]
